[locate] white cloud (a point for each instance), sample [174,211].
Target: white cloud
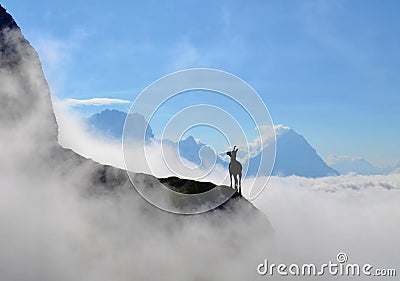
[313,219]
[280,129]
[95,101]
[316,218]
[266,137]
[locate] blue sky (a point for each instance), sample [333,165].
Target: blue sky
[327,69]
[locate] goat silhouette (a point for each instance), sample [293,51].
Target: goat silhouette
[235,170]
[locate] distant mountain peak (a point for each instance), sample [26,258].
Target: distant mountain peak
[295,156]
[110,122]
[190,139]
[346,164]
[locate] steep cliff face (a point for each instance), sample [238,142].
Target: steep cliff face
[25,95]
[77,214]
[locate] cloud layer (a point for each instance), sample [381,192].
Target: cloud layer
[314,219]
[95,101]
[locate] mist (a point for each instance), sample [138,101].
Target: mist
[313,218]
[64,217]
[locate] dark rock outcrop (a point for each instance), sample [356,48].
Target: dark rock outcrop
[25,95]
